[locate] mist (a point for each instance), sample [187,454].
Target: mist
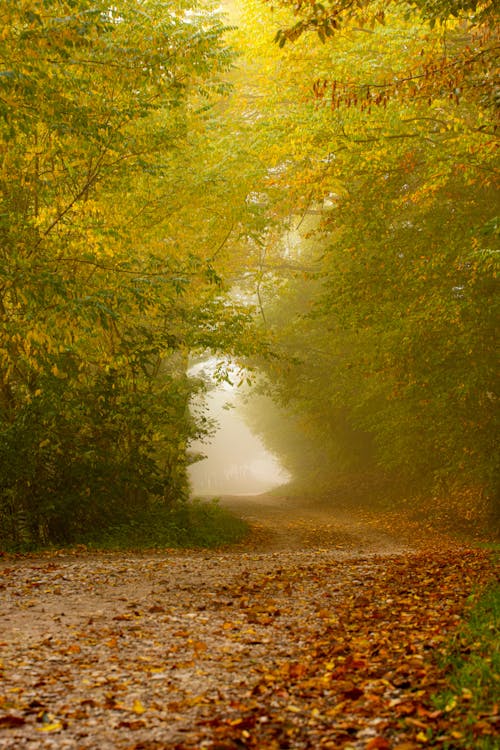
[236,461]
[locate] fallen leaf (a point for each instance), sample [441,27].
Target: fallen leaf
[353,693]
[378,743]
[55,726]
[138,707]
[9,721]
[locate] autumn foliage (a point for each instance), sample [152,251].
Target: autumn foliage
[105,284]
[386,324]
[317,647]
[322,208]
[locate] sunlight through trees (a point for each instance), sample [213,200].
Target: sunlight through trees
[321,208]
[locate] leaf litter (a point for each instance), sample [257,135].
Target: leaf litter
[315,633]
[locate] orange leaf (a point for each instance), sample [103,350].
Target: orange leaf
[378,743]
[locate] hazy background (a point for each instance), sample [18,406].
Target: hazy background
[236,460]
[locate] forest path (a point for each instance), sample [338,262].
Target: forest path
[281,523]
[314,633]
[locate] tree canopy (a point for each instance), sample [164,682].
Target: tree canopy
[110,224]
[388,334]
[323,208]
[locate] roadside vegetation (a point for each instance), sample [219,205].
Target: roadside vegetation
[472,663]
[320,209]
[186,525]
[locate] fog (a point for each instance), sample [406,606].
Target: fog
[236,463]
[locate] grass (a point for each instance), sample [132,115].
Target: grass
[193,524]
[186,525]
[472,661]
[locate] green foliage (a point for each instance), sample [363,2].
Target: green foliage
[472,660]
[75,459]
[106,281]
[147,525]
[386,338]
[443,10]
[330,17]
[134,197]
[186,525]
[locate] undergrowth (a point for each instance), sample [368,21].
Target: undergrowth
[472,662]
[186,525]
[190,524]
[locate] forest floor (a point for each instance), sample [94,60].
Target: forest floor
[318,631]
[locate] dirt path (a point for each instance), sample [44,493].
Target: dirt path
[262,646]
[281,524]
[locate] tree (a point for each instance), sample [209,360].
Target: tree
[398,343]
[102,295]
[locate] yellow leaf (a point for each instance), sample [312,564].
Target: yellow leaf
[451,704]
[55,726]
[138,707]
